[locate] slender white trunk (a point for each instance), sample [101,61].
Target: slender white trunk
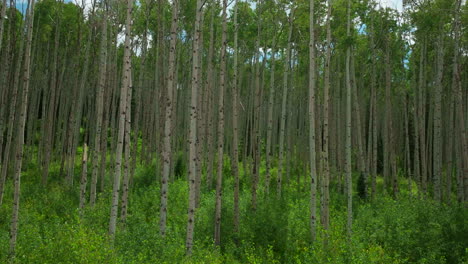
[193,130]
[312,161]
[126,84]
[222,84]
[349,182]
[20,134]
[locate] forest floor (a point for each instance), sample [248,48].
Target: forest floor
[406,230]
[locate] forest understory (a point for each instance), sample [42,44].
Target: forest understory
[385,230]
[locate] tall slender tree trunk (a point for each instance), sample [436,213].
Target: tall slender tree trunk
[21,126]
[84,177]
[48,133]
[271,101]
[11,119]
[407,145]
[167,153]
[462,180]
[437,152]
[287,64]
[256,114]
[312,161]
[222,84]
[99,106]
[199,142]
[193,129]
[416,152]
[422,118]
[357,109]
[126,85]
[235,126]
[325,215]
[126,176]
[349,182]
[209,101]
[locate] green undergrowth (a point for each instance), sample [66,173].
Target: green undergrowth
[385,230]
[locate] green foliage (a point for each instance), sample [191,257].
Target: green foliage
[407,230]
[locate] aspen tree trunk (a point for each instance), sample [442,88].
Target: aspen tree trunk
[84,177]
[271,99]
[362,162]
[77,122]
[235,126]
[126,85]
[4,77]
[407,145]
[325,215]
[126,172]
[416,153]
[156,145]
[373,134]
[21,126]
[256,114]
[210,102]
[421,118]
[138,95]
[104,127]
[11,119]
[312,161]
[48,133]
[287,64]
[199,141]
[462,181]
[193,129]
[219,181]
[390,173]
[109,94]
[450,128]
[349,182]
[437,147]
[76,109]
[171,82]
[100,105]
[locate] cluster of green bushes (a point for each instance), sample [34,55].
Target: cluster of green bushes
[407,230]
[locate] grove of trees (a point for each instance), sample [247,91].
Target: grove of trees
[240,131]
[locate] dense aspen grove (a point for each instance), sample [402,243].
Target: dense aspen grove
[233,131]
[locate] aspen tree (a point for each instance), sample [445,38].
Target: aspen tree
[126,85]
[193,129]
[84,176]
[222,84]
[421,117]
[462,180]
[171,83]
[99,104]
[11,119]
[271,99]
[235,126]
[287,64]
[209,102]
[349,182]
[126,172]
[325,215]
[48,133]
[21,126]
[312,162]
[437,146]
